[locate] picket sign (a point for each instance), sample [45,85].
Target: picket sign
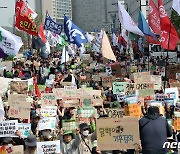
[47,123]
[8,128]
[119,133]
[48,147]
[48,99]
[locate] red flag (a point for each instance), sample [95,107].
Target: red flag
[37,92]
[41,33]
[153,18]
[169,36]
[152,40]
[23,19]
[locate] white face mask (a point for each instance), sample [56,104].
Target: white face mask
[45,134]
[86,133]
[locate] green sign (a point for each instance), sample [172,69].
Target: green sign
[119,87]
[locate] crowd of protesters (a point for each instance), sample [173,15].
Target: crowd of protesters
[154,129]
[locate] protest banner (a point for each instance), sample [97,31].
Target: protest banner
[142,77]
[19,87]
[157,80]
[159,97]
[145,89]
[24,129]
[47,123]
[115,113]
[71,102]
[8,128]
[133,110]
[19,107]
[121,97]
[85,112]
[119,87]
[69,125]
[59,92]
[172,93]
[49,111]
[17,97]
[169,101]
[116,134]
[10,149]
[130,89]
[97,102]
[48,147]
[48,99]
[131,99]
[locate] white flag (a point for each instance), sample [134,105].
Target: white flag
[114,39]
[176,6]
[89,37]
[106,48]
[71,51]
[65,56]
[82,49]
[127,21]
[9,44]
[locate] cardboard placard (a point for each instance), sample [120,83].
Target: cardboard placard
[157,80]
[49,111]
[142,77]
[59,92]
[18,149]
[19,87]
[115,113]
[49,147]
[48,99]
[47,123]
[119,87]
[71,102]
[8,128]
[145,89]
[116,134]
[19,108]
[69,125]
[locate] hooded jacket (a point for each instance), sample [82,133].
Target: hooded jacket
[154,131]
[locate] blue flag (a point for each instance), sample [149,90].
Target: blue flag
[75,35]
[52,26]
[143,25]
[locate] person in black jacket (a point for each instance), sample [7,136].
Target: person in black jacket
[154,131]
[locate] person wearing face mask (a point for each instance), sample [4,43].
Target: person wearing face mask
[46,135]
[30,144]
[68,144]
[87,139]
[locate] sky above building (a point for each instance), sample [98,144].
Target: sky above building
[6,15]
